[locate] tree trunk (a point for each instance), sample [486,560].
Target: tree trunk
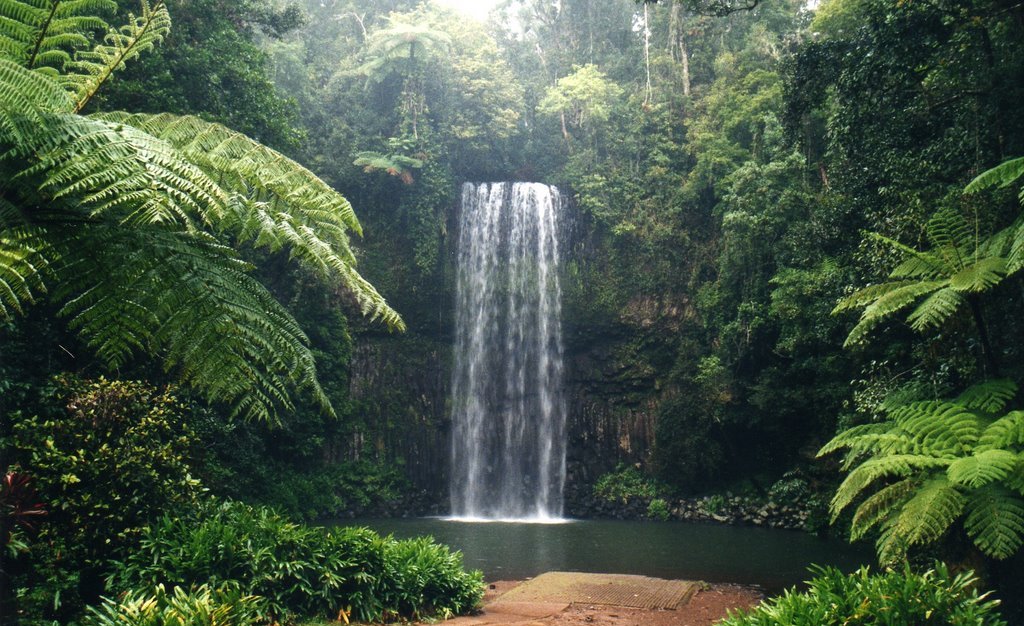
[677,43]
[991,358]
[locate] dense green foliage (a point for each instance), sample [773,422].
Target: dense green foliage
[299,570]
[105,459]
[895,597]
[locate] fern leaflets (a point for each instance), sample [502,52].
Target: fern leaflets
[125,219]
[931,463]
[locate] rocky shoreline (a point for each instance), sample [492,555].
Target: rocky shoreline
[718,509]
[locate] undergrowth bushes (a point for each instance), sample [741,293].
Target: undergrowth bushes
[299,570]
[202,606]
[894,598]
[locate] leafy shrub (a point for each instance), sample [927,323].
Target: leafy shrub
[105,458]
[200,607]
[658,509]
[714,504]
[897,598]
[626,483]
[300,570]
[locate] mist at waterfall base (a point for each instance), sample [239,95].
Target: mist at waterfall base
[508,409]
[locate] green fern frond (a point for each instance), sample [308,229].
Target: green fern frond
[880,507]
[1002,175]
[950,234]
[187,298]
[277,202]
[24,97]
[889,303]
[851,436]
[927,259]
[44,33]
[925,518]
[867,295]
[24,261]
[872,470]
[89,71]
[990,396]
[940,426]
[923,266]
[995,521]
[982,468]
[935,309]
[980,276]
[1005,432]
[110,171]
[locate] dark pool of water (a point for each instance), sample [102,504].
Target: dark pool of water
[774,559]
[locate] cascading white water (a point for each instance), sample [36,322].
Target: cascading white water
[508,411]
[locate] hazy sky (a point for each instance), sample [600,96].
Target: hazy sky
[475,8]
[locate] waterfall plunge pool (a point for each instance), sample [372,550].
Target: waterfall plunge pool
[772,559]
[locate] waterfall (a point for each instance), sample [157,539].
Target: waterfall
[508,411]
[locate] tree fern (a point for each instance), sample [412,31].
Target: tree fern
[124,219]
[917,473]
[941,281]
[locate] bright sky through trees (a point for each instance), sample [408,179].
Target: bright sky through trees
[474,8]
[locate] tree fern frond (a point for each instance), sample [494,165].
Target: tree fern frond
[881,506]
[950,234]
[927,258]
[111,171]
[922,266]
[980,276]
[889,303]
[24,96]
[867,295]
[899,466]
[995,521]
[277,202]
[990,396]
[935,309]
[23,263]
[41,33]
[926,517]
[1001,175]
[982,468]
[1005,432]
[91,69]
[851,436]
[187,298]
[940,426]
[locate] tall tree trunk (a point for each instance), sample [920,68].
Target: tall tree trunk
[677,43]
[649,92]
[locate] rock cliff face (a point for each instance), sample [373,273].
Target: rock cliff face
[616,366]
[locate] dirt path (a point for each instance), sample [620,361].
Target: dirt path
[709,604]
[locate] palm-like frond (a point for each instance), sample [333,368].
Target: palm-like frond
[923,519]
[90,70]
[985,467]
[188,299]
